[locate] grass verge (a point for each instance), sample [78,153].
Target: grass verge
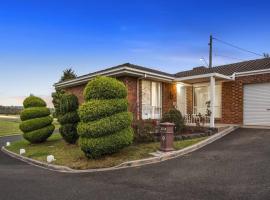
[10,126]
[73,157]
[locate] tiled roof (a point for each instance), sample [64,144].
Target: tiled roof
[250,65]
[131,66]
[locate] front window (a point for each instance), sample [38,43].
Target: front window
[151,100]
[202,95]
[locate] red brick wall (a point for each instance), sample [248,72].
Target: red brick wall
[168,96]
[131,84]
[232,97]
[78,91]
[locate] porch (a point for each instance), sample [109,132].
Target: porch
[199,98]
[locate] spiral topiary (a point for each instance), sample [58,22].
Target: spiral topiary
[68,117]
[105,125]
[36,122]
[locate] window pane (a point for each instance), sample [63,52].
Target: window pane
[151,100]
[146,92]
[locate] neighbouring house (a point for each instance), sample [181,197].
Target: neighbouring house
[238,93]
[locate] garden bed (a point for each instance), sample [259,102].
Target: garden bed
[73,157]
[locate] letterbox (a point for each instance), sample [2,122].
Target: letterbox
[166,136]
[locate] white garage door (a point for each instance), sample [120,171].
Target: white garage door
[257,104]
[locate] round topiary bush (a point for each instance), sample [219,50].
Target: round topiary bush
[105,125]
[36,122]
[68,117]
[174,116]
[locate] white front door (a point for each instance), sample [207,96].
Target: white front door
[257,104]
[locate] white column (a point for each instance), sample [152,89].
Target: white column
[212,100]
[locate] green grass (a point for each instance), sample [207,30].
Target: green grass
[10,126]
[72,156]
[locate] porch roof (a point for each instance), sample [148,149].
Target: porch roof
[203,78]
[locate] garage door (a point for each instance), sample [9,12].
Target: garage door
[257,104]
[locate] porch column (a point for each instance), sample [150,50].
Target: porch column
[212,101]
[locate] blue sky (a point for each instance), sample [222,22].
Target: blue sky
[39,39]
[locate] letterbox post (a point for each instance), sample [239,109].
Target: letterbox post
[166,136]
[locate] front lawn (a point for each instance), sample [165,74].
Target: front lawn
[10,126]
[73,157]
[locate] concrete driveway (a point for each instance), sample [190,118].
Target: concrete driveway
[234,167]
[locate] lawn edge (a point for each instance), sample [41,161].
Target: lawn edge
[15,134]
[128,164]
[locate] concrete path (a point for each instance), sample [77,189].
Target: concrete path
[234,167]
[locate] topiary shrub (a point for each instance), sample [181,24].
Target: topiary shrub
[36,122]
[174,116]
[68,117]
[105,125]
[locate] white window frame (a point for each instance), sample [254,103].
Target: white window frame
[152,114]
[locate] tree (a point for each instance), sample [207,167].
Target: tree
[68,117]
[68,74]
[36,122]
[105,125]
[266,55]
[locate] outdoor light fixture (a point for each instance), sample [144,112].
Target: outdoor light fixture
[203,60]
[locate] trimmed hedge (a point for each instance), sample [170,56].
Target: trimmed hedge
[34,112]
[33,101]
[174,116]
[68,117]
[105,125]
[40,135]
[68,103]
[96,109]
[36,122]
[104,88]
[97,147]
[69,133]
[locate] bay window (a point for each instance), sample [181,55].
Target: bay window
[151,99]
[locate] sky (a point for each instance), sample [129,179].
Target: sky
[39,39]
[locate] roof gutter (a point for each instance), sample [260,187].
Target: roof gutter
[113,72]
[217,75]
[250,73]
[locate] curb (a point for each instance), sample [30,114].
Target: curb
[128,164]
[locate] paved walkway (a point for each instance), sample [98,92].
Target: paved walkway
[234,167]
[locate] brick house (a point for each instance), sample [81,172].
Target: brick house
[238,93]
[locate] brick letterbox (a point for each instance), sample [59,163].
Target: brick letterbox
[166,136]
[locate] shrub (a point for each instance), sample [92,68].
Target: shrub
[68,117]
[144,131]
[36,123]
[69,132]
[33,101]
[96,147]
[104,88]
[105,125]
[34,112]
[95,109]
[174,116]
